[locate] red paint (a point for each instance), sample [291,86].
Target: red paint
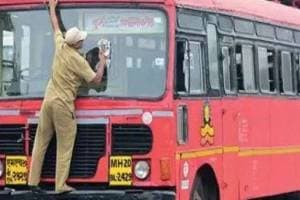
[245,122]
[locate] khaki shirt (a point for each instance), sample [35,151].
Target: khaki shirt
[69,71]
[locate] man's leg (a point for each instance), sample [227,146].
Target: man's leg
[42,139]
[65,127]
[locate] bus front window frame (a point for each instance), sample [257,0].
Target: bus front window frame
[163,61]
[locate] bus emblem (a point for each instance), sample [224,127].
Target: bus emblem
[207,130]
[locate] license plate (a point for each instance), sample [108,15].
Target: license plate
[16,170]
[120,173]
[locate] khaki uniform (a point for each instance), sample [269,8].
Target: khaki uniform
[69,71]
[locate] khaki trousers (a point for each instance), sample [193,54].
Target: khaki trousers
[54,116]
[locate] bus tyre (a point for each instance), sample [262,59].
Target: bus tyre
[205,186]
[198,193]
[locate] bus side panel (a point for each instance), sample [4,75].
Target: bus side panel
[253,136]
[230,142]
[196,153]
[285,126]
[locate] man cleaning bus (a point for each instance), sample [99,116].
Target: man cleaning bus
[69,71]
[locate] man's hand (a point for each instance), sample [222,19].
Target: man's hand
[53,3]
[53,17]
[102,57]
[100,68]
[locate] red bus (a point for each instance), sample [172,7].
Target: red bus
[200,100]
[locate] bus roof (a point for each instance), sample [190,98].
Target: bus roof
[14,2]
[261,9]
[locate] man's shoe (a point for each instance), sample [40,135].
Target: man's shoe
[36,189]
[65,189]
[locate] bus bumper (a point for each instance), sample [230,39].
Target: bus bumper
[95,195]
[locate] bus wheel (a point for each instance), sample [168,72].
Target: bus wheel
[197,193]
[205,185]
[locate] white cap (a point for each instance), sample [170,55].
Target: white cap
[74,35]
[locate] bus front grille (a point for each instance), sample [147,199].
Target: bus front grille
[131,139]
[11,139]
[88,149]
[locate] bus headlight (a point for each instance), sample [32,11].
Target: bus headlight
[1,168]
[141,170]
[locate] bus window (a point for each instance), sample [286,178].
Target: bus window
[225,24]
[181,67]
[213,57]
[239,70]
[244,26]
[26,53]
[197,83]
[7,70]
[190,21]
[297,37]
[229,86]
[284,34]
[138,38]
[285,73]
[266,65]
[189,68]
[265,30]
[245,68]
[138,42]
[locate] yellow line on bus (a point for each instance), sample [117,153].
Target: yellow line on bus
[246,152]
[233,149]
[269,151]
[201,153]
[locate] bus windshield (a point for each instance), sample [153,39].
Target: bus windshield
[138,50]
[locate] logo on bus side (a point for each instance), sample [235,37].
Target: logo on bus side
[207,130]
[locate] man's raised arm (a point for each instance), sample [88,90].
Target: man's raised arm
[53,17]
